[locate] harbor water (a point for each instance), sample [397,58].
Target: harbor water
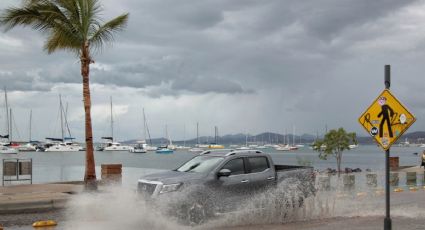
[69,166]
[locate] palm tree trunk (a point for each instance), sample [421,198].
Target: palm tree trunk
[90,172]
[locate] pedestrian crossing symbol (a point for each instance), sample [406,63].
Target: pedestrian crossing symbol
[386,119]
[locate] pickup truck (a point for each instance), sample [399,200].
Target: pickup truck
[221,181]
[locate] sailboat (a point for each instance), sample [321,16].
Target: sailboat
[246,144]
[140,147]
[215,145]
[196,149]
[63,144]
[30,146]
[285,146]
[169,148]
[6,140]
[110,145]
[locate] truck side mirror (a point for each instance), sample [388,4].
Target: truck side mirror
[224,172]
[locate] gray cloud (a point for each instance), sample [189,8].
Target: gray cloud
[306,62]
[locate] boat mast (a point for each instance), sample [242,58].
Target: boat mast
[184,135]
[61,114]
[144,124]
[10,125]
[7,114]
[112,123]
[30,125]
[215,134]
[197,133]
[147,127]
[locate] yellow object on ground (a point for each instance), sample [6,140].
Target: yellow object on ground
[398,190]
[44,223]
[413,189]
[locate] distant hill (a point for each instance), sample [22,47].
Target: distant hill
[269,137]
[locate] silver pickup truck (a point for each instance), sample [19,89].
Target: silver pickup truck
[220,181]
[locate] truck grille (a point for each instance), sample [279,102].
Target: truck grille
[146,188]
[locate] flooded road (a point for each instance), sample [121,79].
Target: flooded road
[120,208]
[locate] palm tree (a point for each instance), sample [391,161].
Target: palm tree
[71,25]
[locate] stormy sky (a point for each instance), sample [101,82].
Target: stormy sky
[245,66]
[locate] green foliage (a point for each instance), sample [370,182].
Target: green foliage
[334,143]
[68,24]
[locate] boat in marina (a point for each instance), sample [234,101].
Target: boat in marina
[215,145]
[63,144]
[138,148]
[283,148]
[7,150]
[6,140]
[164,150]
[110,144]
[196,150]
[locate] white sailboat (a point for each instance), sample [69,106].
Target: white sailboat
[246,144]
[112,145]
[63,144]
[196,149]
[6,140]
[140,147]
[30,146]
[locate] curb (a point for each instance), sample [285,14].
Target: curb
[32,206]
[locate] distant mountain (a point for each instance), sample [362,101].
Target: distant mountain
[269,137]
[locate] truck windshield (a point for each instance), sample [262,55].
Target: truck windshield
[200,164]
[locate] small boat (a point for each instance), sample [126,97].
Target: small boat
[138,148]
[353,146]
[7,150]
[58,145]
[116,146]
[283,148]
[215,146]
[164,150]
[196,150]
[150,148]
[243,148]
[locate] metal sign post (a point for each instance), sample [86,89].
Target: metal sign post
[386,120]
[387,220]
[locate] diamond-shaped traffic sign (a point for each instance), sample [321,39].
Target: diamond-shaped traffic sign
[386,119]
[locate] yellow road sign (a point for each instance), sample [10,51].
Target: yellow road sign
[386,119]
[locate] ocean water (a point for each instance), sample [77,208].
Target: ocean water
[69,166]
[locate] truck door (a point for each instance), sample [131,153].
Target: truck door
[232,189]
[260,173]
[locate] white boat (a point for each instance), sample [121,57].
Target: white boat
[62,147]
[243,148]
[8,150]
[196,150]
[180,147]
[422,145]
[28,147]
[353,146]
[116,146]
[63,144]
[138,148]
[151,148]
[262,147]
[283,148]
[110,144]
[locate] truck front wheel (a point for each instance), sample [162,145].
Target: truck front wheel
[196,213]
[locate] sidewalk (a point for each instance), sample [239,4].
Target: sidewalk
[35,197]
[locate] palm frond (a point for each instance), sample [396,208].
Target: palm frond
[105,32]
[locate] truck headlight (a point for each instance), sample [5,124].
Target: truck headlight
[170,188]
